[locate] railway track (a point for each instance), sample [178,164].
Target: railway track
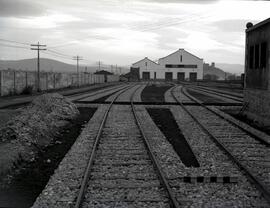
[122,170]
[94,95]
[233,94]
[216,94]
[77,96]
[250,153]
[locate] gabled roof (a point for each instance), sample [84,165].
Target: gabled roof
[181,49]
[145,59]
[103,72]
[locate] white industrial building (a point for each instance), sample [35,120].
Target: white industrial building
[180,65]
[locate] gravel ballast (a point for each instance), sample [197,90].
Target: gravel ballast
[63,186]
[213,163]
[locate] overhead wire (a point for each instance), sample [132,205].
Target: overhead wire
[60,53]
[55,55]
[13,46]
[143,28]
[13,41]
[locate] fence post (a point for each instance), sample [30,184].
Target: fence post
[14,81]
[26,80]
[1,82]
[47,80]
[54,82]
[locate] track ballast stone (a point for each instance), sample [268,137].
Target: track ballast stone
[188,194]
[123,174]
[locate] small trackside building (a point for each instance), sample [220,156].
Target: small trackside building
[178,66]
[257,76]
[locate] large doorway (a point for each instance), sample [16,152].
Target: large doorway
[146,75]
[181,76]
[193,76]
[168,76]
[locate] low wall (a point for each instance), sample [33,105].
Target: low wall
[258,108]
[14,81]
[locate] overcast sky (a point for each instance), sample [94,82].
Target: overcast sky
[124,31]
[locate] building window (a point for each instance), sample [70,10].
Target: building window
[181,58]
[263,55]
[258,60]
[257,56]
[251,57]
[145,63]
[181,66]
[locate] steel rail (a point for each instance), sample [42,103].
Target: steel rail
[231,97]
[173,201]
[261,140]
[85,179]
[237,95]
[253,179]
[68,95]
[117,88]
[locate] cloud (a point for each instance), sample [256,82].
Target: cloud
[235,25]
[20,8]
[183,1]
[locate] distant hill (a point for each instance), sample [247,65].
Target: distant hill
[231,68]
[45,65]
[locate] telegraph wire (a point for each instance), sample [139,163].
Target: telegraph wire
[13,46]
[55,55]
[13,41]
[59,53]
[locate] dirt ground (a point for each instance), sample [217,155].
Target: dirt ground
[154,93]
[21,187]
[7,114]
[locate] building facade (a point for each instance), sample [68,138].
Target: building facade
[180,65]
[257,76]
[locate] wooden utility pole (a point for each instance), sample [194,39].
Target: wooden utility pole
[38,47]
[78,58]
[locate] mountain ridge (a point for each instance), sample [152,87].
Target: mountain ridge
[46,65]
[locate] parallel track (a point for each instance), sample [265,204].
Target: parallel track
[250,154]
[71,96]
[217,93]
[117,88]
[147,155]
[233,94]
